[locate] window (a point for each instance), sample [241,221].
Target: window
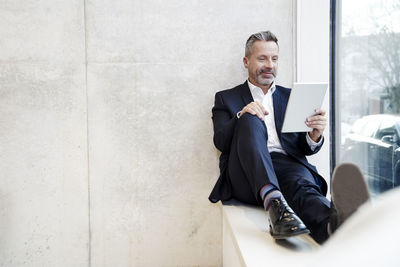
[367,89]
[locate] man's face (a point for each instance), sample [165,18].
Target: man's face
[262,64]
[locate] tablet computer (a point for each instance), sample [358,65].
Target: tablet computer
[304,99]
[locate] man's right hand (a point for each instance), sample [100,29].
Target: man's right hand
[255,108]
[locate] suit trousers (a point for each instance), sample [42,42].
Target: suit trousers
[251,166]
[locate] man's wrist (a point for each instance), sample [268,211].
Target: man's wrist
[313,145]
[313,138]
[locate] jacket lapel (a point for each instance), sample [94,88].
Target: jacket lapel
[245,93]
[279,109]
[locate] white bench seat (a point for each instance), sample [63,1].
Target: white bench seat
[371,237]
[247,242]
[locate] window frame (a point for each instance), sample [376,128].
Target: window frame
[332,85]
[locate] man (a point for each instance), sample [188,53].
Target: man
[259,164]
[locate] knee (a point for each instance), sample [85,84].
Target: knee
[250,122]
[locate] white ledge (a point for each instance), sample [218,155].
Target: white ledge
[371,237]
[246,234]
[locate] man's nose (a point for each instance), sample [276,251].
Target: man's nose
[268,63]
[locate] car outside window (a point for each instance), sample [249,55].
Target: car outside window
[367,89]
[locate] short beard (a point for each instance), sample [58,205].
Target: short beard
[264,82]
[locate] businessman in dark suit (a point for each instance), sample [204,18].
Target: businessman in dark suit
[260,165]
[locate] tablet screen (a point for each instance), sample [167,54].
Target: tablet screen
[304,99]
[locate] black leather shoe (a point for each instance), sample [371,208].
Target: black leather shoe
[349,191]
[283,222]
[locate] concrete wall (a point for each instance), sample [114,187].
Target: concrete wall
[43,143]
[105,131]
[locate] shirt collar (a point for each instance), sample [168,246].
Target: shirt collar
[254,88]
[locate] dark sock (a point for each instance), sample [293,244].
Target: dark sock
[268,193]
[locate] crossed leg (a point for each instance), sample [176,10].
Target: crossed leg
[251,167]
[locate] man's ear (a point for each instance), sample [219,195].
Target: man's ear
[245,62]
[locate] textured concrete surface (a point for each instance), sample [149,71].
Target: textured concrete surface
[192,31]
[43,163]
[153,71]
[42,31]
[152,165]
[43,134]
[150,70]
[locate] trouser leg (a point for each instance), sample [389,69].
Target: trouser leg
[250,165]
[303,195]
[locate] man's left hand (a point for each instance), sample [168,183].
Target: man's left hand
[318,123]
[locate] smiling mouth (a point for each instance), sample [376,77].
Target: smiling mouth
[267,74]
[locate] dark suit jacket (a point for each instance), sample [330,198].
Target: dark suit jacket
[227,104]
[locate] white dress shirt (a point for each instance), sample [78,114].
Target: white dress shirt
[274,144]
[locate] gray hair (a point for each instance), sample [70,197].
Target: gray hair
[259,36]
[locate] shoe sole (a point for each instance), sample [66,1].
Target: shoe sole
[349,190]
[285,236]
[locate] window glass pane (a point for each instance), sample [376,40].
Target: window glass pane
[368,89]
